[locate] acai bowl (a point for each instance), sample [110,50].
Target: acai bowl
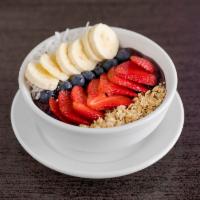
[96,139]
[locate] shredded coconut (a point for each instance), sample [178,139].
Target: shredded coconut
[142,105]
[34,90]
[51,45]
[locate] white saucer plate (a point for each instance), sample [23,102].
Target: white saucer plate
[82,164]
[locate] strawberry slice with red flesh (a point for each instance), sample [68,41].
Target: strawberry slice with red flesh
[104,103]
[110,89]
[114,78]
[66,108]
[78,94]
[86,111]
[80,104]
[53,104]
[144,63]
[97,100]
[129,70]
[92,88]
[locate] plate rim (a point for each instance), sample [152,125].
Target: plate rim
[99,175]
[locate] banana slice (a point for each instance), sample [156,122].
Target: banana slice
[104,41]
[78,57]
[63,60]
[38,76]
[88,49]
[49,64]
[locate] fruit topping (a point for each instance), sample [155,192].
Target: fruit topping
[104,103]
[64,85]
[78,95]
[98,100]
[109,63]
[40,77]
[54,108]
[88,48]
[129,70]
[114,78]
[45,96]
[63,60]
[49,64]
[93,88]
[144,63]
[98,70]
[86,111]
[104,41]
[110,89]
[77,79]
[66,108]
[78,57]
[88,75]
[79,98]
[99,42]
[124,54]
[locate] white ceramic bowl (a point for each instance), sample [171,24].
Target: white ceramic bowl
[105,139]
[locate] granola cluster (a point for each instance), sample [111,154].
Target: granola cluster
[142,105]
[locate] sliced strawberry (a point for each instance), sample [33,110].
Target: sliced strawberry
[114,78]
[109,88]
[129,70]
[104,103]
[93,91]
[92,88]
[66,108]
[86,111]
[79,98]
[53,104]
[144,63]
[78,94]
[97,100]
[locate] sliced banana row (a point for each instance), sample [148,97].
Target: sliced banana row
[63,60]
[79,58]
[98,43]
[37,75]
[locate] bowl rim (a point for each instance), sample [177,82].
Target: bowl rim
[118,129]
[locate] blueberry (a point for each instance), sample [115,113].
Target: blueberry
[98,70]
[45,95]
[64,85]
[124,54]
[88,75]
[109,63]
[56,92]
[77,79]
